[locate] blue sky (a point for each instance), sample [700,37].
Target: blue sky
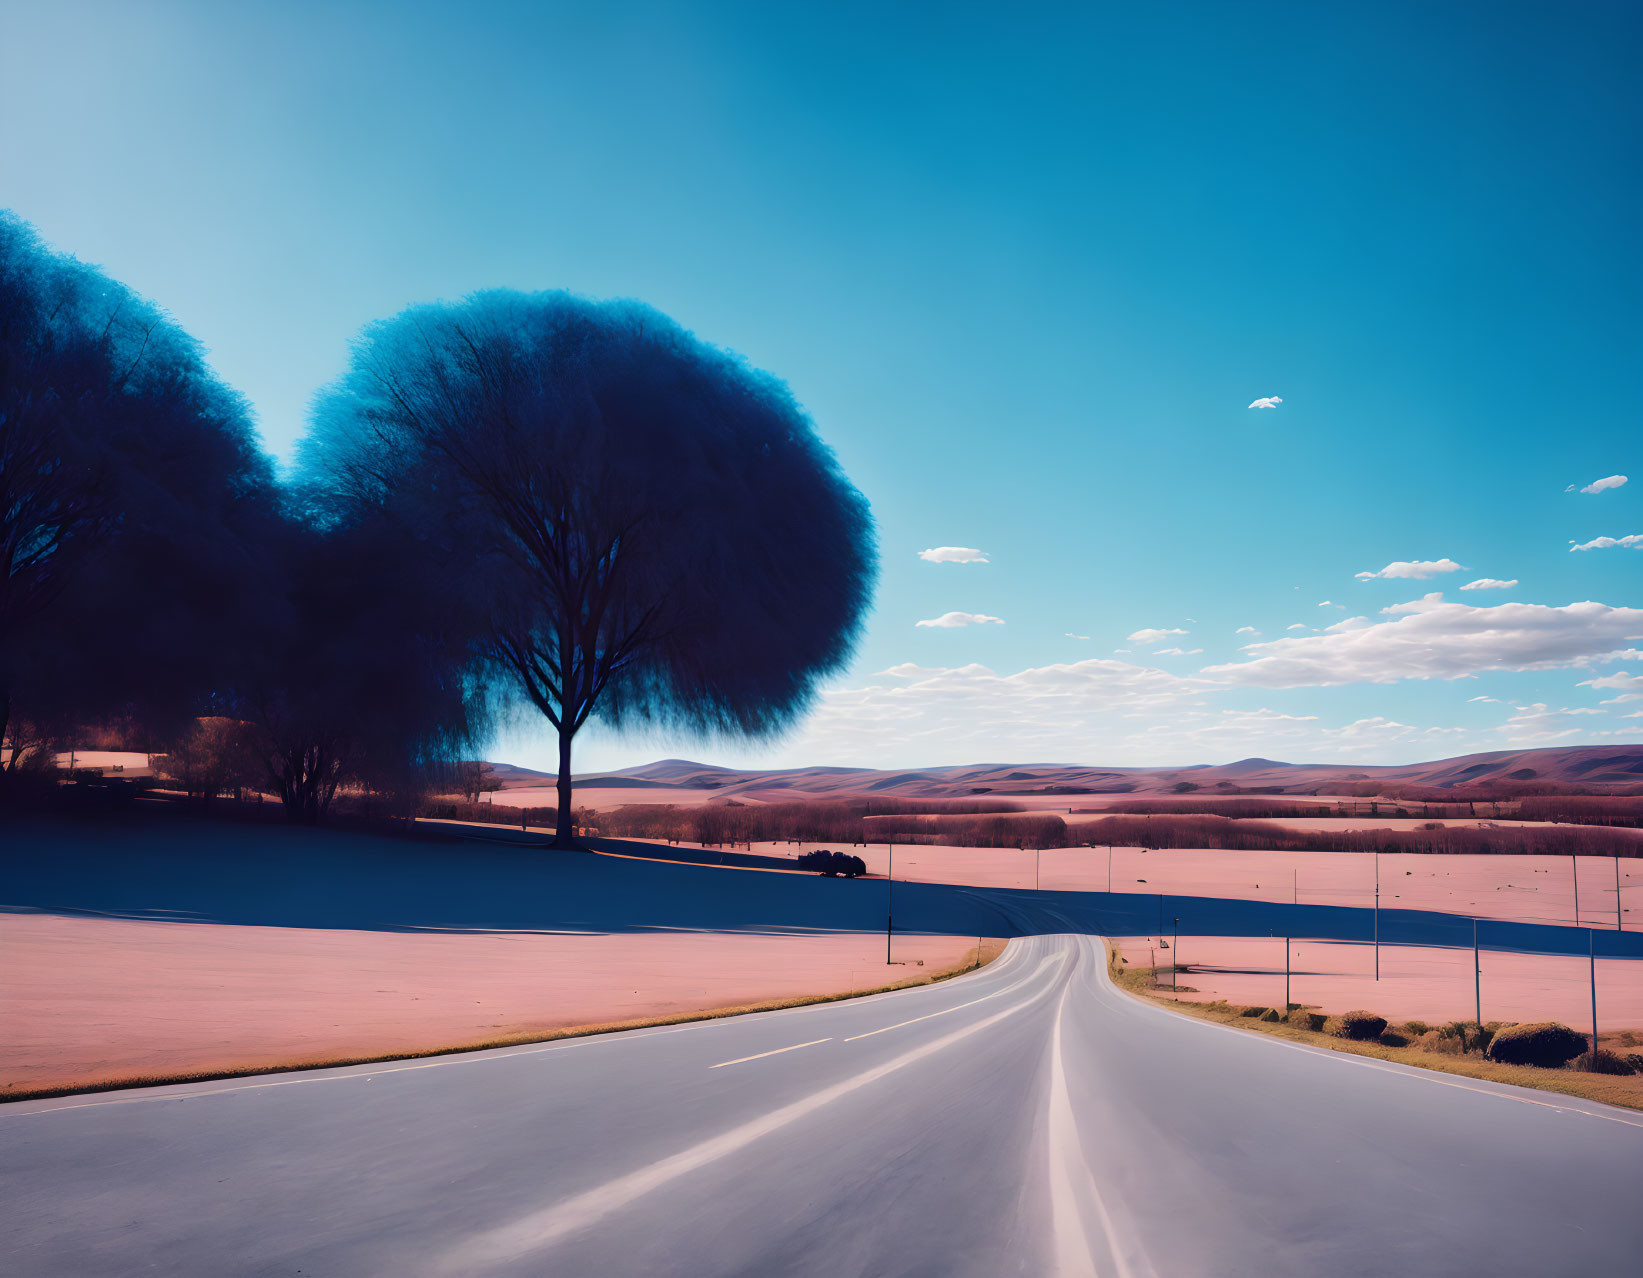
[1026,269]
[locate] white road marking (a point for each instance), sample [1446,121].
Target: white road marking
[537,1230]
[930,1017]
[759,1056]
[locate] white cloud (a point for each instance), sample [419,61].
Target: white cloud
[953,555]
[1600,485]
[1298,626]
[1490,583]
[952,620]
[1417,568]
[1630,687]
[1177,652]
[1268,401]
[1431,639]
[1494,701]
[1539,725]
[1071,635]
[1153,636]
[1246,630]
[1607,543]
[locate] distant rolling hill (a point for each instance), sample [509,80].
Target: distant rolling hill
[1617,767]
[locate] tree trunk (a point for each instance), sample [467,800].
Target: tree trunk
[564,831]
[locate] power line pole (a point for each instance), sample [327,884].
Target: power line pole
[1591,951]
[1286,977]
[1617,926]
[1377,916]
[1477,978]
[1175,963]
[1109,869]
[889,900]
[1574,869]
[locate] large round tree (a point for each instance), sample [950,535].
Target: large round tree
[132,490]
[651,528]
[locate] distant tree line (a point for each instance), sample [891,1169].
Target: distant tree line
[1264,836]
[515,504]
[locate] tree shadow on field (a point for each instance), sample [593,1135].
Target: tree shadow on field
[175,866]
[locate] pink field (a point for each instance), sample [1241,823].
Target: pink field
[86,1000]
[1531,889]
[1417,982]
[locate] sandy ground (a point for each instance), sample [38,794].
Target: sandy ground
[1530,889]
[89,999]
[1417,982]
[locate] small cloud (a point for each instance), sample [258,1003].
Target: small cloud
[1330,603]
[1490,583]
[1297,626]
[1607,543]
[952,620]
[1246,630]
[1071,635]
[1419,568]
[1150,635]
[1177,652]
[953,555]
[1494,701]
[1599,485]
[1121,652]
[1269,401]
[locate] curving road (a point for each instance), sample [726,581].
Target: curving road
[1025,1119]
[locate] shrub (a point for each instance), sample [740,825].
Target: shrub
[1391,1038]
[1252,1011]
[1271,1015]
[1303,1019]
[1414,1028]
[1469,1036]
[1605,1062]
[1359,1026]
[1545,1043]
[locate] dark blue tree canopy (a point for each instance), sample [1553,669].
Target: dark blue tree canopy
[655,530]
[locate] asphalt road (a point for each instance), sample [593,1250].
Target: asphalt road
[1026,1119]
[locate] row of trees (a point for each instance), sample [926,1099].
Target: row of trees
[516,503]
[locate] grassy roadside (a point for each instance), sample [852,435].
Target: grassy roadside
[977,956]
[1621,1090]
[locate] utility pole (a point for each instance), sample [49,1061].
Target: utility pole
[1295,886]
[1477,978]
[1574,869]
[1109,869]
[1175,963]
[1038,856]
[1377,916]
[1286,976]
[889,900]
[1591,951]
[1617,926]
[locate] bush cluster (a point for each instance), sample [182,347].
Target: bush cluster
[824,861]
[1359,1026]
[1544,1043]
